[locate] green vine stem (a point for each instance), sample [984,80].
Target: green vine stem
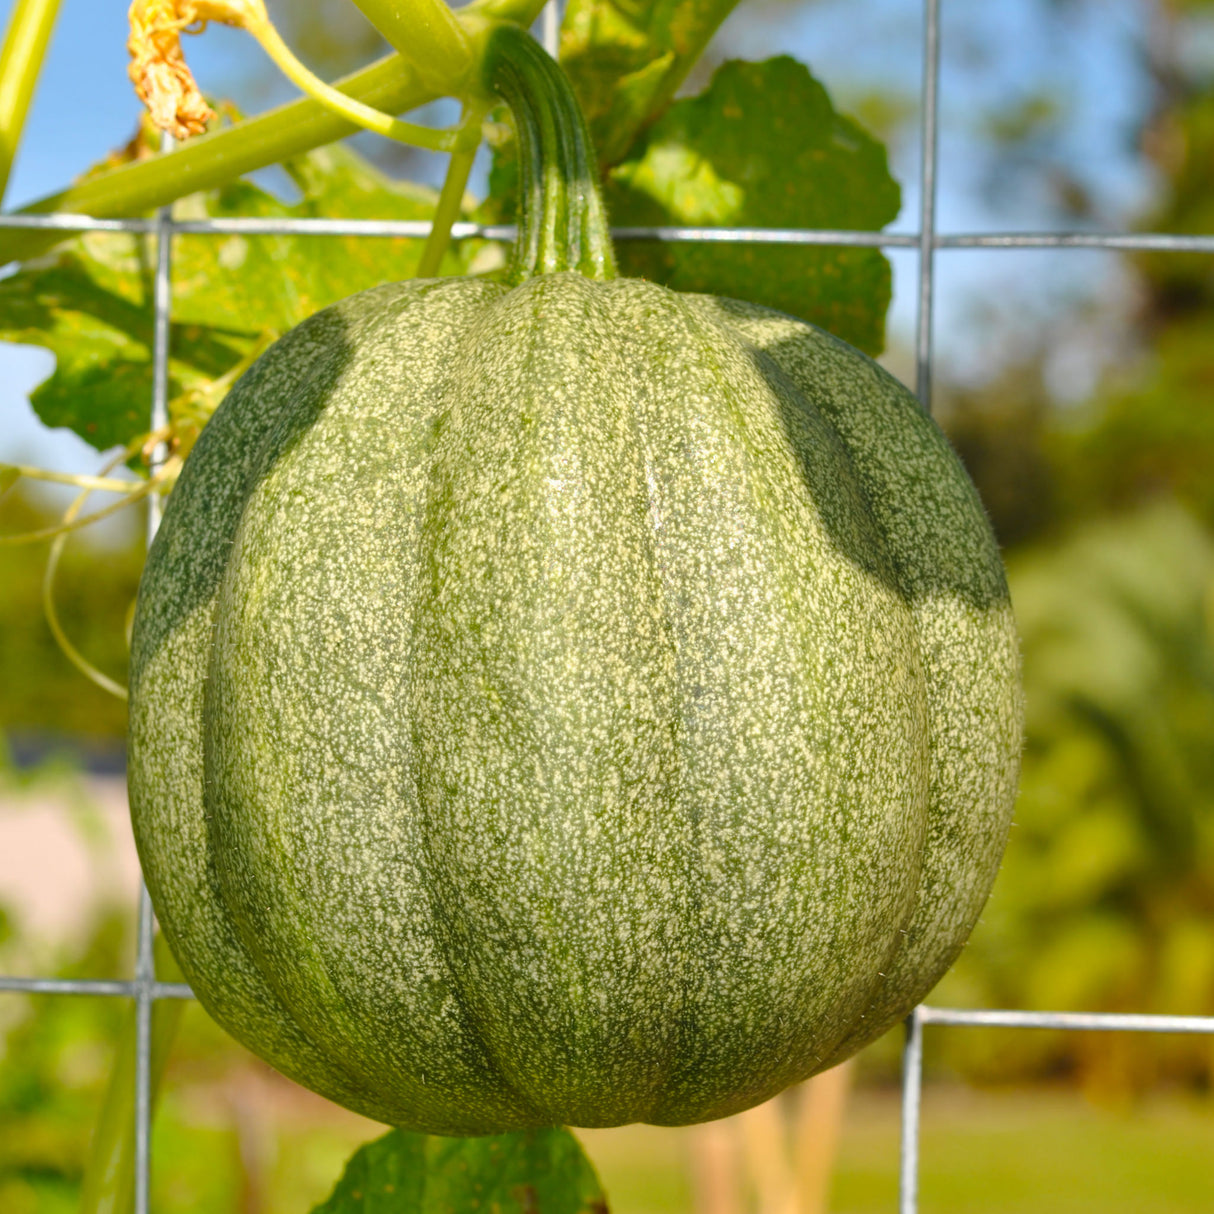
[562,224]
[427,33]
[215,158]
[109,1176]
[221,156]
[25,42]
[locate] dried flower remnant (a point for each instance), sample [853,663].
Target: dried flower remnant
[158,68]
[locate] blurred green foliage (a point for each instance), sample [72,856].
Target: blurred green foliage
[230,1137]
[90,301]
[1106,897]
[1151,429]
[41,693]
[56,1056]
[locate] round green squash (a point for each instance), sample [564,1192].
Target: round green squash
[567,701]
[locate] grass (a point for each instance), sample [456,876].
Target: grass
[1015,1152]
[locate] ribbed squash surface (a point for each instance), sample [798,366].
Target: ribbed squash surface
[576,703]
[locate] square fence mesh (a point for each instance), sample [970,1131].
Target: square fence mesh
[145,989]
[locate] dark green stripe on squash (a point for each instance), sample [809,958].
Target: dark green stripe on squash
[574,703]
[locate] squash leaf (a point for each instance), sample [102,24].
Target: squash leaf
[533,1172]
[627,59]
[763,147]
[89,301]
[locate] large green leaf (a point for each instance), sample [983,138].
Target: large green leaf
[627,58]
[534,1172]
[90,300]
[763,147]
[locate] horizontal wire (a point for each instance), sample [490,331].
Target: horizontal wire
[813,236]
[1162,242]
[1110,1022]
[1107,1022]
[390,228]
[91,986]
[69,222]
[417,228]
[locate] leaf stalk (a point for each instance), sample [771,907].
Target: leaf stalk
[452,195]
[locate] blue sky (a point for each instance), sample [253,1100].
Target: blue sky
[1072,69]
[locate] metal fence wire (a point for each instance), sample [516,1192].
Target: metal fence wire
[145,989]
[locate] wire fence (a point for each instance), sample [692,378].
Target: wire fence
[145,989]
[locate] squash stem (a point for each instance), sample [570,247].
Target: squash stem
[562,222]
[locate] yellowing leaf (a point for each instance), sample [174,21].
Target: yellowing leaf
[90,300]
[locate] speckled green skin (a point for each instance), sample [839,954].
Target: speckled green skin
[576,703]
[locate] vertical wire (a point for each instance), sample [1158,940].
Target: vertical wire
[912,1090]
[551,28]
[912,1055]
[927,202]
[144,977]
[145,967]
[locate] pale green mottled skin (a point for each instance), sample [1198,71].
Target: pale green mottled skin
[578,704]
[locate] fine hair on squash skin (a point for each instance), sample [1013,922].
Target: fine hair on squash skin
[565,701]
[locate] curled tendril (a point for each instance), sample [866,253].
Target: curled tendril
[188,412]
[132,491]
[72,520]
[70,651]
